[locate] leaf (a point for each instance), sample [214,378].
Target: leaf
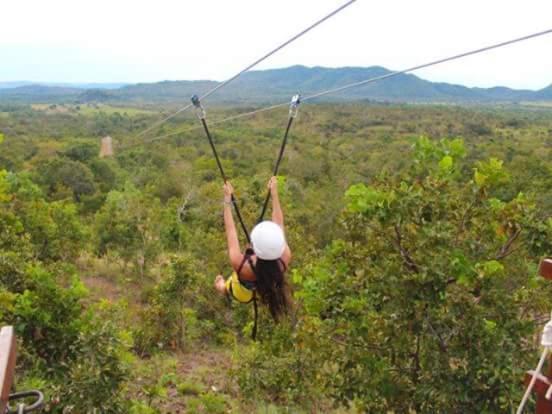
[490,326]
[4,186]
[490,173]
[446,164]
[480,179]
[424,149]
[296,277]
[363,199]
[464,280]
[490,268]
[496,204]
[456,148]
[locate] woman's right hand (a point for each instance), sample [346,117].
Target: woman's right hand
[228,191]
[273,185]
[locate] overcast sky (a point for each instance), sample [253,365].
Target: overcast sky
[147,41]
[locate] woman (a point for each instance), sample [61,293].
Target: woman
[259,270]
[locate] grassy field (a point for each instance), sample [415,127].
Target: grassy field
[538,104]
[90,109]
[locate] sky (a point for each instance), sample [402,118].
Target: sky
[147,41]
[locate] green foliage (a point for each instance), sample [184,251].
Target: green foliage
[63,348]
[208,403]
[55,229]
[61,175]
[128,224]
[174,317]
[167,320]
[490,173]
[81,152]
[189,388]
[413,286]
[419,280]
[104,173]
[277,369]
[363,199]
[94,381]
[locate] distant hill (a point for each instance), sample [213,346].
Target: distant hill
[258,87]
[16,84]
[39,93]
[545,94]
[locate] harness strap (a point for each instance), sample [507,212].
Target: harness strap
[201,115]
[295,101]
[283,264]
[256,316]
[248,254]
[247,258]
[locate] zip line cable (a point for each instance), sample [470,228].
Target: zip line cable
[252,65]
[361,83]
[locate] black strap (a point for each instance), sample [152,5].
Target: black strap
[215,153]
[283,264]
[196,102]
[247,257]
[277,166]
[256,316]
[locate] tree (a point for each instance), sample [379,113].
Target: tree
[59,173]
[62,346]
[166,321]
[128,224]
[82,152]
[426,298]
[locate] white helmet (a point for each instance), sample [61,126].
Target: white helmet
[268,241]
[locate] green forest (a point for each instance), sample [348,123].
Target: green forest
[416,232]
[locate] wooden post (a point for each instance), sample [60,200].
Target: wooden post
[545,268]
[7,364]
[543,382]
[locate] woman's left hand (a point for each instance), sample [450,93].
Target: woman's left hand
[273,184]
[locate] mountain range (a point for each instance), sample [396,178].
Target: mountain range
[17,84]
[275,85]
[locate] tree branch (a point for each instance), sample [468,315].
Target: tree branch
[408,261]
[462,225]
[507,250]
[442,342]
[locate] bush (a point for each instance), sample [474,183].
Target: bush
[421,304]
[208,403]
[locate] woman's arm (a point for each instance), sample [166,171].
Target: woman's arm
[278,215]
[234,251]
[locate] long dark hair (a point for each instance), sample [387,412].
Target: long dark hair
[272,287]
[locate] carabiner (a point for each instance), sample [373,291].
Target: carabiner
[200,112]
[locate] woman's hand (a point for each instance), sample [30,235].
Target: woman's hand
[273,185]
[228,191]
[220,285]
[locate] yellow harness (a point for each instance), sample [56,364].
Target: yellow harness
[238,289]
